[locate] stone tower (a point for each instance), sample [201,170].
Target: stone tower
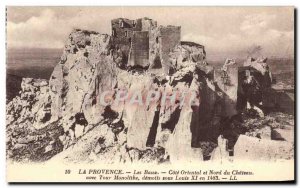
[143,43]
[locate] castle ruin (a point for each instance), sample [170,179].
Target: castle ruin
[143,43]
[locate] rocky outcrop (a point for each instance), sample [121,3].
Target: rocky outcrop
[29,136]
[32,105]
[86,69]
[93,110]
[227,80]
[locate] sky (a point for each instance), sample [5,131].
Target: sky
[231,31]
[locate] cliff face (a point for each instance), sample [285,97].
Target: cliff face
[92,110]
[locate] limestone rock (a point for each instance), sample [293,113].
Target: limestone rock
[227,81]
[179,143]
[139,117]
[86,71]
[255,149]
[220,153]
[69,118]
[79,130]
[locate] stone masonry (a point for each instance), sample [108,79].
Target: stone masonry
[143,43]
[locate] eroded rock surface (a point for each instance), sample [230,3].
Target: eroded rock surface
[69,115]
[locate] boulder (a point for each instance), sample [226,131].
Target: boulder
[255,149]
[79,130]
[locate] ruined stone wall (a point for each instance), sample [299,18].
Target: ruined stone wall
[154,49]
[147,24]
[169,38]
[123,32]
[242,95]
[162,40]
[119,31]
[227,82]
[158,43]
[139,53]
[121,38]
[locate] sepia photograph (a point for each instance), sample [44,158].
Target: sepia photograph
[150,94]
